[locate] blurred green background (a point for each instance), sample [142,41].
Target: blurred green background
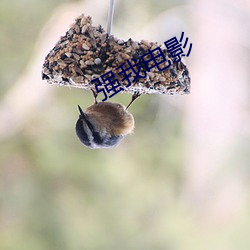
[180,182]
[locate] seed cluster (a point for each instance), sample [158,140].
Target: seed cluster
[86,52]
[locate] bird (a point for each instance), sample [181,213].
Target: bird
[104,124]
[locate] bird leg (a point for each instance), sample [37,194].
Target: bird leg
[134,97]
[95,95]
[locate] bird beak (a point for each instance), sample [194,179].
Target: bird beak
[82,115]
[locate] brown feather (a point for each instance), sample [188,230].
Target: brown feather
[111,117]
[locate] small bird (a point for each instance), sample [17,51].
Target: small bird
[104,124]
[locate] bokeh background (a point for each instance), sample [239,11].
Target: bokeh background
[180,182]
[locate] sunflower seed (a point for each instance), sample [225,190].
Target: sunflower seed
[85,46]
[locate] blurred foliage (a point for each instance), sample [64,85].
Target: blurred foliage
[56,194]
[20,23]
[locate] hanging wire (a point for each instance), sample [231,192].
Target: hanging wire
[110,15]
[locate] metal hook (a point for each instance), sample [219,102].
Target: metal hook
[110,15]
